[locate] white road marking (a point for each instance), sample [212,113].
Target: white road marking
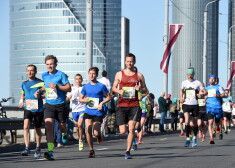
[163,139]
[102,149]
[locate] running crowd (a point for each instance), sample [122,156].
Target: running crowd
[45,101]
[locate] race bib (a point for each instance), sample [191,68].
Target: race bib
[93,103]
[211,93]
[31,104]
[226,107]
[51,93]
[129,92]
[201,102]
[190,94]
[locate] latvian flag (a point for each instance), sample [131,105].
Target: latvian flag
[229,84]
[174,32]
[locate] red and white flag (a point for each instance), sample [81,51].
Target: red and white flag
[229,84]
[174,32]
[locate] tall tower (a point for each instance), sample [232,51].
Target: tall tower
[188,49]
[41,28]
[231,29]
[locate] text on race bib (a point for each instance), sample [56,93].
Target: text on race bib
[51,93]
[129,92]
[201,102]
[31,104]
[93,103]
[211,93]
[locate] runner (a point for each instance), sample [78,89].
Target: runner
[129,82]
[227,113]
[202,117]
[188,96]
[33,111]
[181,118]
[213,105]
[77,107]
[92,93]
[56,86]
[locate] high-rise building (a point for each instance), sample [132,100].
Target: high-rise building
[58,27]
[231,29]
[188,50]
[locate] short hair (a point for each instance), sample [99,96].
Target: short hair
[51,57]
[78,75]
[151,96]
[131,55]
[104,73]
[31,65]
[94,69]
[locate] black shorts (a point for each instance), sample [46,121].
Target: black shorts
[181,115]
[125,114]
[192,109]
[57,112]
[36,117]
[202,116]
[211,117]
[227,115]
[93,118]
[234,117]
[202,109]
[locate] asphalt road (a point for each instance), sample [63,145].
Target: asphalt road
[157,151]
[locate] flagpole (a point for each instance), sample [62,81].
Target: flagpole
[166,32]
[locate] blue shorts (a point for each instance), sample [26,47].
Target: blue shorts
[77,115]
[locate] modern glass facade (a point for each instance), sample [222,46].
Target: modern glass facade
[50,27]
[231,29]
[188,50]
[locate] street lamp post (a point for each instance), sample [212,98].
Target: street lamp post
[229,50]
[205,42]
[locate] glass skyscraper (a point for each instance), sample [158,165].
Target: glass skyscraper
[231,29]
[188,50]
[57,27]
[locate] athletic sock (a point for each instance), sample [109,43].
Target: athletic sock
[50,146]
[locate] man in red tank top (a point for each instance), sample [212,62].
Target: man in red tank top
[127,83]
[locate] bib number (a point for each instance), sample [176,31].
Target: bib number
[129,92]
[93,103]
[51,94]
[31,104]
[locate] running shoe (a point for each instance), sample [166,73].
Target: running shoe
[65,138]
[226,132]
[140,141]
[221,136]
[194,144]
[99,140]
[181,134]
[26,152]
[229,130]
[203,139]
[134,147]
[81,145]
[37,153]
[59,145]
[200,134]
[212,141]
[187,143]
[91,154]
[128,155]
[49,155]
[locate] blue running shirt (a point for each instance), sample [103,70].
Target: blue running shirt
[214,102]
[28,89]
[94,91]
[55,96]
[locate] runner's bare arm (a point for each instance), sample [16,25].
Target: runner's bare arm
[181,96]
[83,99]
[106,100]
[116,83]
[143,84]
[21,103]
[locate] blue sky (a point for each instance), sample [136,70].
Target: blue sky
[146,41]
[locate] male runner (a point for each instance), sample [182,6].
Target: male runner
[129,82]
[56,86]
[214,105]
[33,109]
[77,107]
[188,96]
[92,93]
